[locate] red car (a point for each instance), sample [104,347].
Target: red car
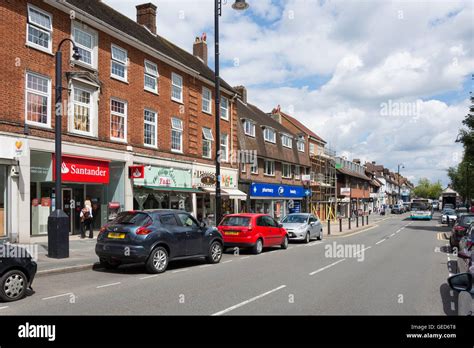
[254,231]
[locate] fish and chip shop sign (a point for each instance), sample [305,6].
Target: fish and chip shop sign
[273,190]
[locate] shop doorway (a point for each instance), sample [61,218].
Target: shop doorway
[68,206]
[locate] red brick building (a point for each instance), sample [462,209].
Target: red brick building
[133,99]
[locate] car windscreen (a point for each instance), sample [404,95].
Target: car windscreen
[466,220]
[294,219]
[132,218]
[236,221]
[449,212]
[420,206]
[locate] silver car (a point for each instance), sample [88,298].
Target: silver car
[302,226]
[448,213]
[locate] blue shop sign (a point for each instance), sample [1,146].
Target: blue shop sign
[274,190]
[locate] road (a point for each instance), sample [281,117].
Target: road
[401,268]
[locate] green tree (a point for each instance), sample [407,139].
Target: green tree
[426,189]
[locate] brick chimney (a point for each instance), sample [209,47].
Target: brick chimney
[146,15]
[242,92]
[200,48]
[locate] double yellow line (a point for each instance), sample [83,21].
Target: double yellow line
[441,236]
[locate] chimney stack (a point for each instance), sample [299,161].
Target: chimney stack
[243,93]
[146,15]
[200,48]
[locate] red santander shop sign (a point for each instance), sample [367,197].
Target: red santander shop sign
[81,169]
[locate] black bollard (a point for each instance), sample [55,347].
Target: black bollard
[349,220]
[340,225]
[367,222]
[362,220]
[357,221]
[329,227]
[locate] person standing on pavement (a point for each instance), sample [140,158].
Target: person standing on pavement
[86,219]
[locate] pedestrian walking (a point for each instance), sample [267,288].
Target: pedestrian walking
[86,219]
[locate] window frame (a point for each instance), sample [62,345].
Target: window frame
[150,75]
[117,61]
[272,166]
[203,99]
[39,27]
[125,116]
[265,135]
[48,95]
[226,145]
[301,141]
[252,127]
[181,131]
[207,139]
[154,124]
[288,167]
[252,171]
[95,43]
[224,116]
[173,74]
[290,139]
[92,112]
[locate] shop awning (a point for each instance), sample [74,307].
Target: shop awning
[236,194]
[165,188]
[230,193]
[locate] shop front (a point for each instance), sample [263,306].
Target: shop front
[277,200]
[100,181]
[164,188]
[204,179]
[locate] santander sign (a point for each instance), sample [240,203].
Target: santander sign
[80,169]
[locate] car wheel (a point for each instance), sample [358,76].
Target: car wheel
[109,265]
[215,252]
[13,285]
[307,238]
[258,247]
[157,261]
[320,234]
[284,245]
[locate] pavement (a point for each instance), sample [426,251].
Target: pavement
[397,267]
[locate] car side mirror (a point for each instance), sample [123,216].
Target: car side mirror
[461,282]
[280,225]
[312,223]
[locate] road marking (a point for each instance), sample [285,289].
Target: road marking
[204,266]
[51,297]
[4,307]
[326,267]
[392,234]
[353,234]
[248,301]
[245,257]
[381,241]
[227,261]
[106,285]
[181,270]
[362,250]
[150,276]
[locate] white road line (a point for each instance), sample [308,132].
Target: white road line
[326,267]
[106,285]
[204,266]
[150,276]
[4,307]
[51,297]
[227,261]
[380,241]
[181,270]
[248,301]
[362,250]
[392,234]
[245,257]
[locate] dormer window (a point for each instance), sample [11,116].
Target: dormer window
[269,134]
[249,128]
[300,143]
[286,141]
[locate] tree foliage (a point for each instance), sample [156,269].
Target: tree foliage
[426,189]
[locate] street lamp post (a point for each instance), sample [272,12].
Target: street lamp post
[238,5]
[398,176]
[58,221]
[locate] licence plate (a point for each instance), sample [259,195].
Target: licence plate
[113,235]
[231,233]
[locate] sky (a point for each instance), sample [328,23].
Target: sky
[383,81]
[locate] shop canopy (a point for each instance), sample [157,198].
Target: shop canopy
[232,193]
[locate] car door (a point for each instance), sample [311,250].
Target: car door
[263,229]
[178,242]
[313,226]
[193,234]
[273,230]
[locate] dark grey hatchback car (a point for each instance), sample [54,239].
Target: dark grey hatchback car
[155,237]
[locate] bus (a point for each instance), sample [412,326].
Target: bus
[421,209]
